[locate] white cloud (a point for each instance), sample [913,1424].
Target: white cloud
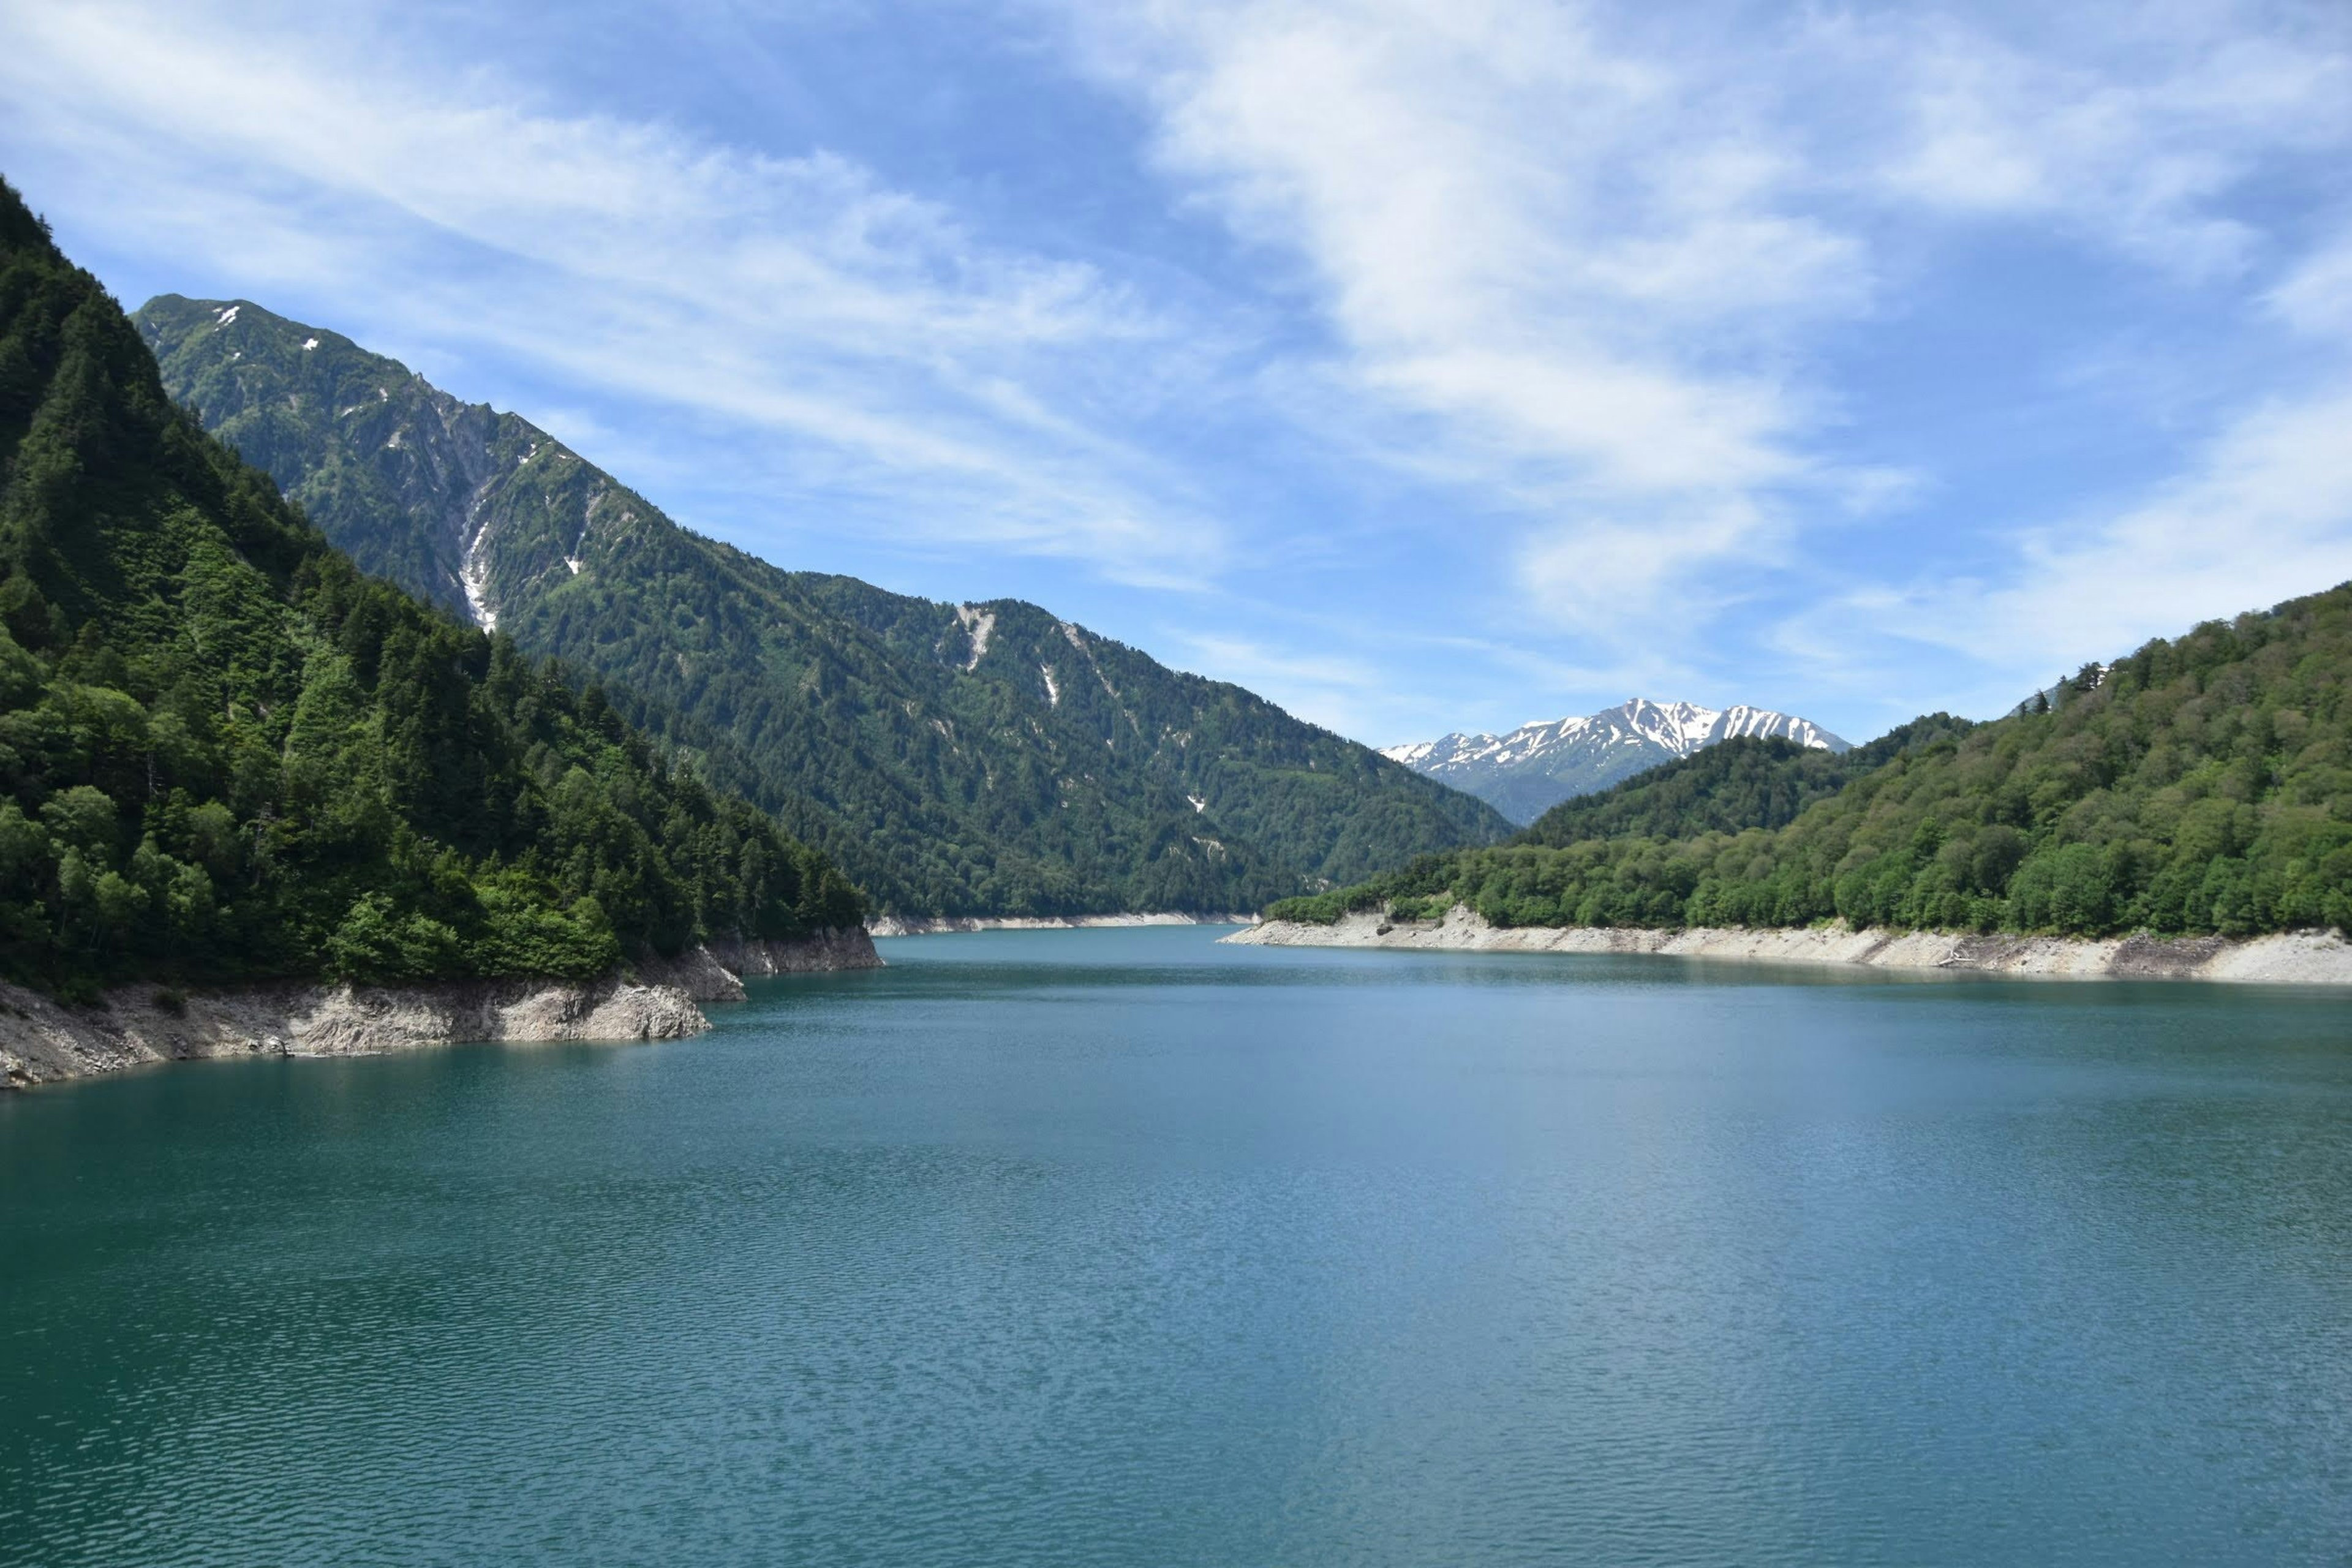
[2263,514]
[2316,296]
[2131,129]
[1532,254]
[796,297]
[1592,298]
[1575,263]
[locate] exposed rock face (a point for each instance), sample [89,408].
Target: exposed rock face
[42,1041]
[850,948]
[2293,958]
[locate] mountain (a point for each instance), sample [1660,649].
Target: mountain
[1536,766]
[1735,785]
[2197,786]
[226,754]
[978,759]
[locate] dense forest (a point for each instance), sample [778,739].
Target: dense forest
[2200,785]
[225,754]
[975,759]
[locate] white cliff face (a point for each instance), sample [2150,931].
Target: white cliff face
[1537,766]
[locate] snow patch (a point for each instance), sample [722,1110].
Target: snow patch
[309,343]
[1198,803]
[1052,690]
[1679,729]
[475,575]
[229,315]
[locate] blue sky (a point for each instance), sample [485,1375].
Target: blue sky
[1422,365]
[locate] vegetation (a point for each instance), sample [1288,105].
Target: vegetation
[2201,786]
[1747,782]
[226,754]
[984,759]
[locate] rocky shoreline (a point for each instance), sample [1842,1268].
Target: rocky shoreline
[43,1041]
[2292,958]
[934,925]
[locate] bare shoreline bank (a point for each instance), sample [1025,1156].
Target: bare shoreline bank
[936,925]
[44,1041]
[2291,958]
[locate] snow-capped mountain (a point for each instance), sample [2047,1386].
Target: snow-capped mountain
[1534,767]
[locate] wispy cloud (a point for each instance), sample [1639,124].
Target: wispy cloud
[1540,270]
[798,296]
[1579,277]
[2315,294]
[2264,514]
[2125,127]
[1485,358]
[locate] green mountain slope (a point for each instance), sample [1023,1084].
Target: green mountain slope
[2198,786]
[978,759]
[224,753]
[1747,782]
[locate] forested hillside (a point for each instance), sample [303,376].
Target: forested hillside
[2202,784]
[224,753]
[1748,781]
[974,758]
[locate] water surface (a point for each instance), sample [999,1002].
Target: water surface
[1120,1248]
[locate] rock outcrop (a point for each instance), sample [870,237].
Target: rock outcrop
[2291,958]
[43,1040]
[848,948]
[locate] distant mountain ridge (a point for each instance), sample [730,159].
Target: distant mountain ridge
[1534,767]
[978,759]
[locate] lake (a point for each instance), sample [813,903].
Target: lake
[1121,1247]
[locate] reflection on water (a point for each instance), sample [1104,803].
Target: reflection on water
[1118,1247]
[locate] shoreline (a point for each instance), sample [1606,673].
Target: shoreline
[2288,958]
[45,1041]
[941,925]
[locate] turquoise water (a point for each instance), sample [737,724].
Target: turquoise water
[1110,1248]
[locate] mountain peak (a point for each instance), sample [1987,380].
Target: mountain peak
[1534,767]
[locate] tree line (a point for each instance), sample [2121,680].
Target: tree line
[2201,786]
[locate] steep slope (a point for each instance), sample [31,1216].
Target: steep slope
[2198,787]
[1534,767]
[974,758]
[225,754]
